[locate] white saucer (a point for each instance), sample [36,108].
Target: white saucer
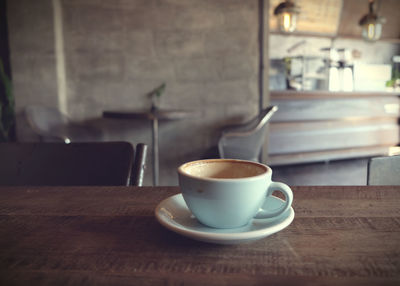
[174,214]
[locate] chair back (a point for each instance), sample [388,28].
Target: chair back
[53,126]
[59,164]
[139,165]
[245,141]
[384,170]
[44,120]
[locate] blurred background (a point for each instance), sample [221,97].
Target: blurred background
[334,76]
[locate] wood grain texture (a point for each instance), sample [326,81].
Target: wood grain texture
[335,108]
[319,17]
[329,155]
[109,236]
[322,94]
[318,126]
[297,139]
[353,11]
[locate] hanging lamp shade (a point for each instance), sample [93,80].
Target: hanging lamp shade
[371,24]
[286,13]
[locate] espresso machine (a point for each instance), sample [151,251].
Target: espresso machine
[339,69]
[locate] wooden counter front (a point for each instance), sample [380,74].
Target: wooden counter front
[320,126]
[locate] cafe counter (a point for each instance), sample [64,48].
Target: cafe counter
[323,126]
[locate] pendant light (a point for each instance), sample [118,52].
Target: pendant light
[371,24]
[286,13]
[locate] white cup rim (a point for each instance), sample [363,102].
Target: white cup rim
[183,173]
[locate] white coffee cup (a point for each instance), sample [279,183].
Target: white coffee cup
[228,193]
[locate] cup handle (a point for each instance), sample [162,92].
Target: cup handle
[286,191]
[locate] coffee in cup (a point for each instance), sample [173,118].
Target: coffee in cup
[228,193]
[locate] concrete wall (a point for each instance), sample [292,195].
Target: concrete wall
[86,56]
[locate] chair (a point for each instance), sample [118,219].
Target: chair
[139,165]
[74,164]
[245,141]
[384,171]
[53,126]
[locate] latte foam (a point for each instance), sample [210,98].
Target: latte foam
[223,169]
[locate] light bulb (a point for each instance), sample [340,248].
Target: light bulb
[372,31]
[286,13]
[371,24]
[287,22]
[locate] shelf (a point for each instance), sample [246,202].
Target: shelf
[330,36]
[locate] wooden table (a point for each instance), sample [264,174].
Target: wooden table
[109,236]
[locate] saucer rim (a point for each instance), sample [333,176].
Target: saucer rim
[211,236]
